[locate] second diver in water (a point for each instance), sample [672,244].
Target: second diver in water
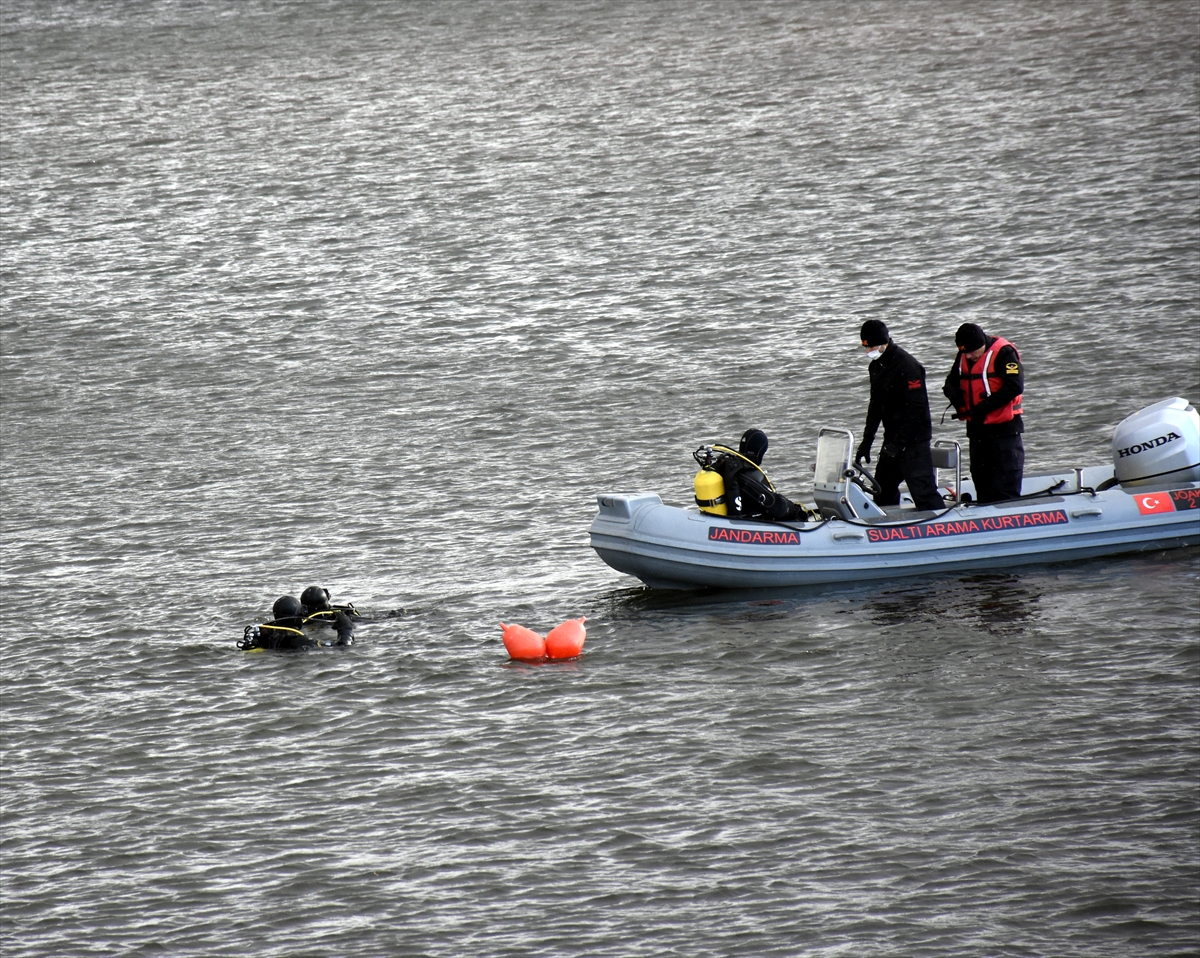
[305,623]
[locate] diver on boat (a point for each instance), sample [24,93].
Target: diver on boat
[985,385]
[303,623]
[748,492]
[900,402]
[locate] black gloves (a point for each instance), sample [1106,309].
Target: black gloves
[864,452]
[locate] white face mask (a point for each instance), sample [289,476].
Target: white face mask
[874,354]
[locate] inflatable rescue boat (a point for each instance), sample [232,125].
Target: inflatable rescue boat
[1146,499]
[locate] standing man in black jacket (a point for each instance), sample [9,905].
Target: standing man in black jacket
[900,402]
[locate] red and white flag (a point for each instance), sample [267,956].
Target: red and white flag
[1152,502]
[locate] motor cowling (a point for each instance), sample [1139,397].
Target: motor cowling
[1158,444]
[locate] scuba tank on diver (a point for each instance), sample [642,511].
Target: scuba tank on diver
[733,483]
[709,485]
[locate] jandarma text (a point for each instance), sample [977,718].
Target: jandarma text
[758,537]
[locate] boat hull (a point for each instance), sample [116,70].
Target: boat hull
[670,547]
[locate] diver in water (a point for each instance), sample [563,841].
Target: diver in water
[748,492]
[303,623]
[314,602]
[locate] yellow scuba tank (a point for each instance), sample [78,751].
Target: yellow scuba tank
[710,492]
[709,484]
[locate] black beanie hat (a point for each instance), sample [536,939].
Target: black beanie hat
[754,445]
[970,337]
[874,333]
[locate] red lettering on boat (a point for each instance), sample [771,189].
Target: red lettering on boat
[961,527]
[768,537]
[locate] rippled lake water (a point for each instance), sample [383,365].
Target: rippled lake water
[380,296]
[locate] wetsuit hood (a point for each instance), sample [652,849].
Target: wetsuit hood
[285,606]
[314,599]
[754,445]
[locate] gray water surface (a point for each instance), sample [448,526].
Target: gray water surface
[380,296]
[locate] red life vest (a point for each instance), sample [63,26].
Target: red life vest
[979,380]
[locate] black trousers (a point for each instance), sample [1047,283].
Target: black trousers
[914,466]
[997,467]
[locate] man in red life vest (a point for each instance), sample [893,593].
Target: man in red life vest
[900,402]
[985,386]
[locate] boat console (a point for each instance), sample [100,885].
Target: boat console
[840,490]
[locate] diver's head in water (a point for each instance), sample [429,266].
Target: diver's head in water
[285,607]
[754,445]
[314,599]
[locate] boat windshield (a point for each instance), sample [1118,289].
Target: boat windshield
[833,456]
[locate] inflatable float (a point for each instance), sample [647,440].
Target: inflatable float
[1146,499]
[564,641]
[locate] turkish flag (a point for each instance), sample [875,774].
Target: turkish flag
[1152,502]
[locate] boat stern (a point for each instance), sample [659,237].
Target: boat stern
[614,536]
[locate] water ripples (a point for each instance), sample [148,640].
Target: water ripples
[381,296]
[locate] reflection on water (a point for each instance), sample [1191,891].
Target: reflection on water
[1002,603]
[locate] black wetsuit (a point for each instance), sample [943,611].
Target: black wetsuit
[298,632]
[900,402]
[748,494]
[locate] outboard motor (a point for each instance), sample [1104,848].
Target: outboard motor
[1159,444]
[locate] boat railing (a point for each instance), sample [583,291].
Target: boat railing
[947,454]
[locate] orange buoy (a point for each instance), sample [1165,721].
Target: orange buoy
[523,644]
[566,641]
